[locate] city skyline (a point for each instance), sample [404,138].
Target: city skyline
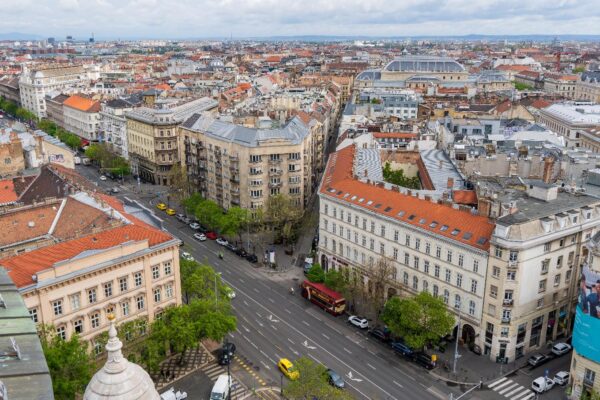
[136,19]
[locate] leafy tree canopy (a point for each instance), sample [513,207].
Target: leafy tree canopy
[316,274]
[312,383]
[397,177]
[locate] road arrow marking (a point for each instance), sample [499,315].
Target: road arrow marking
[246,329]
[272,319]
[352,378]
[307,346]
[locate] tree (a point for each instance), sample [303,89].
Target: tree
[397,177]
[179,182]
[186,269]
[579,69]
[378,275]
[210,214]
[70,364]
[312,383]
[190,203]
[235,221]
[522,86]
[316,274]
[418,320]
[335,280]
[176,328]
[202,282]
[282,214]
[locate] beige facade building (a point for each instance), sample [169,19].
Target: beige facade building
[81,117]
[240,166]
[561,85]
[588,87]
[35,83]
[152,136]
[131,270]
[567,119]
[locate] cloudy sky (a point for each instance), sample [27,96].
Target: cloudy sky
[243,18]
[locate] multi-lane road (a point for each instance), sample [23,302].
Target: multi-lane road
[273,324]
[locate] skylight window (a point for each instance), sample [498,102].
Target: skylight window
[353,198]
[369,202]
[433,224]
[401,213]
[377,205]
[422,221]
[481,240]
[455,232]
[388,209]
[361,200]
[467,235]
[412,216]
[346,195]
[444,228]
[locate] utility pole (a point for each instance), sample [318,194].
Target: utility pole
[228,370]
[456,355]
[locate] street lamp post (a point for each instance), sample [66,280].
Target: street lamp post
[216,293]
[456,355]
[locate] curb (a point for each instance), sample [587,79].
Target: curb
[448,380]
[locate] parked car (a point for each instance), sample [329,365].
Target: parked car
[542,384]
[537,359]
[222,241]
[200,236]
[187,256]
[561,348]
[402,349]
[252,258]
[180,217]
[288,369]
[424,360]
[161,206]
[561,378]
[357,321]
[380,334]
[229,292]
[241,252]
[335,379]
[170,211]
[211,235]
[102,178]
[231,247]
[186,220]
[195,226]
[226,353]
[115,190]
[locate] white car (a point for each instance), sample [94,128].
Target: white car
[200,236]
[229,292]
[561,348]
[102,178]
[187,256]
[561,378]
[542,384]
[195,226]
[222,242]
[360,322]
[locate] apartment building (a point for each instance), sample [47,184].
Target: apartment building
[54,108]
[130,270]
[587,88]
[81,117]
[432,247]
[585,363]
[536,251]
[152,139]
[113,125]
[236,165]
[566,119]
[560,85]
[36,82]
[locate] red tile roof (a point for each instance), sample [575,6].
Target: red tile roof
[339,183]
[7,192]
[82,104]
[392,135]
[468,197]
[21,268]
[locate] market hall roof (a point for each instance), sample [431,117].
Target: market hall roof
[416,63]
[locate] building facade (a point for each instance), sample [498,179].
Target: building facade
[588,87]
[81,117]
[113,125]
[35,83]
[54,109]
[566,119]
[431,246]
[561,85]
[239,166]
[152,137]
[537,249]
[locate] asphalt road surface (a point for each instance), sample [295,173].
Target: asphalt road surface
[274,324]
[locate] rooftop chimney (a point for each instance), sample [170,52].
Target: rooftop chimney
[548,167]
[450,183]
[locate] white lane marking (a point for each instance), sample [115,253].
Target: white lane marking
[372,353]
[260,333]
[315,358]
[397,384]
[228,271]
[295,352]
[237,289]
[256,290]
[287,311]
[325,336]
[272,326]
[245,303]
[259,316]
[491,385]
[334,329]
[503,384]
[241,280]
[404,373]
[267,356]
[518,389]
[246,329]
[508,388]
[305,323]
[290,340]
[521,394]
[245,319]
[370,366]
[271,300]
[259,323]
[277,356]
[346,350]
[265,365]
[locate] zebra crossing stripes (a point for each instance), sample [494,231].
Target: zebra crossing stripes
[213,370]
[511,390]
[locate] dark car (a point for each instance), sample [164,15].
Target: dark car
[252,258]
[241,252]
[231,247]
[335,379]
[402,349]
[424,360]
[226,353]
[380,335]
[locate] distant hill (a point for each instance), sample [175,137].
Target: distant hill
[19,36]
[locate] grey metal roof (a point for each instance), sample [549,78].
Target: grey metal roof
[369,75]
[415,63]
[26,376]
[293,132]
[440,168]
[369,161]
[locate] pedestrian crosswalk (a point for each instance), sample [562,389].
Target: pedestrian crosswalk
[213,370]
[511,389]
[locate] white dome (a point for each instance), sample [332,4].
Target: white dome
[119,379]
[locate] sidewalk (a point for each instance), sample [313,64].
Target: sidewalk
[470,367]
[171,370]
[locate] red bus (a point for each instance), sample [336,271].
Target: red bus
[319,294]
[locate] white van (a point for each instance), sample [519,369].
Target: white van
[542,384]
[220,390]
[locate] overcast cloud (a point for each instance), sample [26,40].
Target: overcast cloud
[243,18]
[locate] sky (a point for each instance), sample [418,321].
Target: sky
[262,18]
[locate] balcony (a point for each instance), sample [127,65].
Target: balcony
[276,172]
[274,160]
[507,302]
[235,179]
[274,184]
[512,263]
[506,320]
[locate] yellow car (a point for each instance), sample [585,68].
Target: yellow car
[161,206]
[288,369]
[170,211]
